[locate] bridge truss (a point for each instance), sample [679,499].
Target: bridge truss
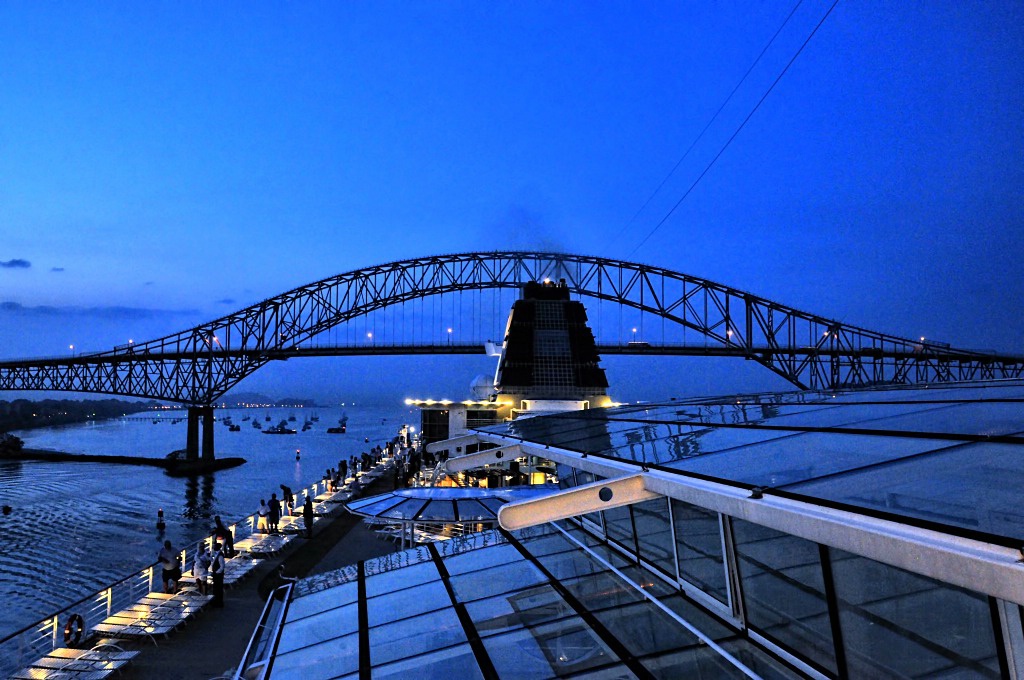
[199,365]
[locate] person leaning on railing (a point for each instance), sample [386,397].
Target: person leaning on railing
[221,534]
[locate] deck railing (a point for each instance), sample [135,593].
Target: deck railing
[62,629]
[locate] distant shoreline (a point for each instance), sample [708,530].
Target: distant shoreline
[173,467]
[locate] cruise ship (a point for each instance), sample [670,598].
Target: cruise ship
[867,533]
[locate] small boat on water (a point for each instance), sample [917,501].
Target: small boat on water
[245,419]
[342,426]
[257,425]
[267,419]
[280,428]
[234,428]
[291,418]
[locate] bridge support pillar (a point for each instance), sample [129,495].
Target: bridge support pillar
[192,436]
[207,432]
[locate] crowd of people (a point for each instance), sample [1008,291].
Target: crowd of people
[209,563]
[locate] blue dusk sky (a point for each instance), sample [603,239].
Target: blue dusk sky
[162,164]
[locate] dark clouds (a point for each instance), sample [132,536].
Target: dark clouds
[16,263]
[112,312]
[226,301]
[56,269]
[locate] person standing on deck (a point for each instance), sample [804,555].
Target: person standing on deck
[169,562]
[217,572]
[262,514]
[288,499]
[201,568]
[307,516]
[275,513]
[221,534]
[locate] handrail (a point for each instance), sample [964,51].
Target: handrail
[43,636]
[255,656]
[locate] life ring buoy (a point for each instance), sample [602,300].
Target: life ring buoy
[73,630]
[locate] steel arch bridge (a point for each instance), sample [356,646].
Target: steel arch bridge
[199,365]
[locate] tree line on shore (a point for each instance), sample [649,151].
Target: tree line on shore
[23,414]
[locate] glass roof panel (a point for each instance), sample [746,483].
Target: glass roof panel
[805,456]
[547,545]
[664,444]
[312,630]
[325,660]
[446,664]
[407,509]
[398,579]
[438,511]
[481,559]
[471,509]
[317,602]
[602,590]
[486,582]
[975,486]
[644,628]
[988,419]
[374,504]
[570,564]
[552,649]
[408,602]
[530,607]
[695,661]
[415,636]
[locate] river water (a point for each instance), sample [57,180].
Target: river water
[75,527]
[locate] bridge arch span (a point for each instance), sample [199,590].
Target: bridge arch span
[198,365]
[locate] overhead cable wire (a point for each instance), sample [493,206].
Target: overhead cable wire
[710,122]
[734,134]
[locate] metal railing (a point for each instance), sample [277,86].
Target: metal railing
[61,629]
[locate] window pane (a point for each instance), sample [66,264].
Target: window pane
[602,591]
[783,591]
[558,648]
[408,602]
[415,636]
[312,630]
[569,564]
[645,629]
[397,579]
[446,664]
[317,602]
[481,559]
[486,582]
[325,660]
[699,542]
[695,661]
[654,533]
[619,527]
[529,607]
[898,623]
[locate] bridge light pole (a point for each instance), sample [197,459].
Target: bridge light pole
[449,336]
[634,335]
[72,348]
[370,338]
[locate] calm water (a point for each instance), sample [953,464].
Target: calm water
[78,526]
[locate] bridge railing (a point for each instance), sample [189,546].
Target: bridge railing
[36,640]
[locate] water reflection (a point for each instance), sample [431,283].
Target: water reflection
[199,498]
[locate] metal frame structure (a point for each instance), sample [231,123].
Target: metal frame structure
[199,365]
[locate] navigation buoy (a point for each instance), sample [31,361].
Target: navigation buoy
[7,509]
[298,454]
[160,525]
